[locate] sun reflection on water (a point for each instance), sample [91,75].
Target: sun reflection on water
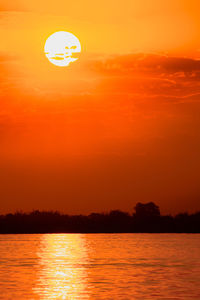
[62,274]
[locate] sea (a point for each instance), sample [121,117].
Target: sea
[100,266]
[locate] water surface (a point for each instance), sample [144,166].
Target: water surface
[100,266]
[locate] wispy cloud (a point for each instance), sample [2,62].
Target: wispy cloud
[148,74]
[156,64]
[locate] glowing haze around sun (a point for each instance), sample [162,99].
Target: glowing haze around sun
[62,48]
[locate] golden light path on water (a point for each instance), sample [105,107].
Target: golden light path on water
[62,274]
[99,266]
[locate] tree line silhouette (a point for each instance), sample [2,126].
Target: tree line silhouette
[146,218]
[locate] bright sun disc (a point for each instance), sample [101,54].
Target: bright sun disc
[62,48]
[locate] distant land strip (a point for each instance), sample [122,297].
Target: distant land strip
[146,218]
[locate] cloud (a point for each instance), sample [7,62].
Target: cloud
[4,58]
[153,63]
[147,75]
[10,5]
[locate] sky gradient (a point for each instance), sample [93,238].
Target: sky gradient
[119,126]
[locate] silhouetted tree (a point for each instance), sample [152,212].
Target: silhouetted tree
[146,217]
[146,210]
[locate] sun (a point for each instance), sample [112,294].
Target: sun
[62,48]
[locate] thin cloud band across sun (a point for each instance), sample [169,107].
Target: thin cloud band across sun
[62,48]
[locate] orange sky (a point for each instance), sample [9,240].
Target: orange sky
[119,126]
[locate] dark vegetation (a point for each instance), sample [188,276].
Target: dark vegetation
[146,218]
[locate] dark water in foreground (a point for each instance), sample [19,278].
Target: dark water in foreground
[100,266]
